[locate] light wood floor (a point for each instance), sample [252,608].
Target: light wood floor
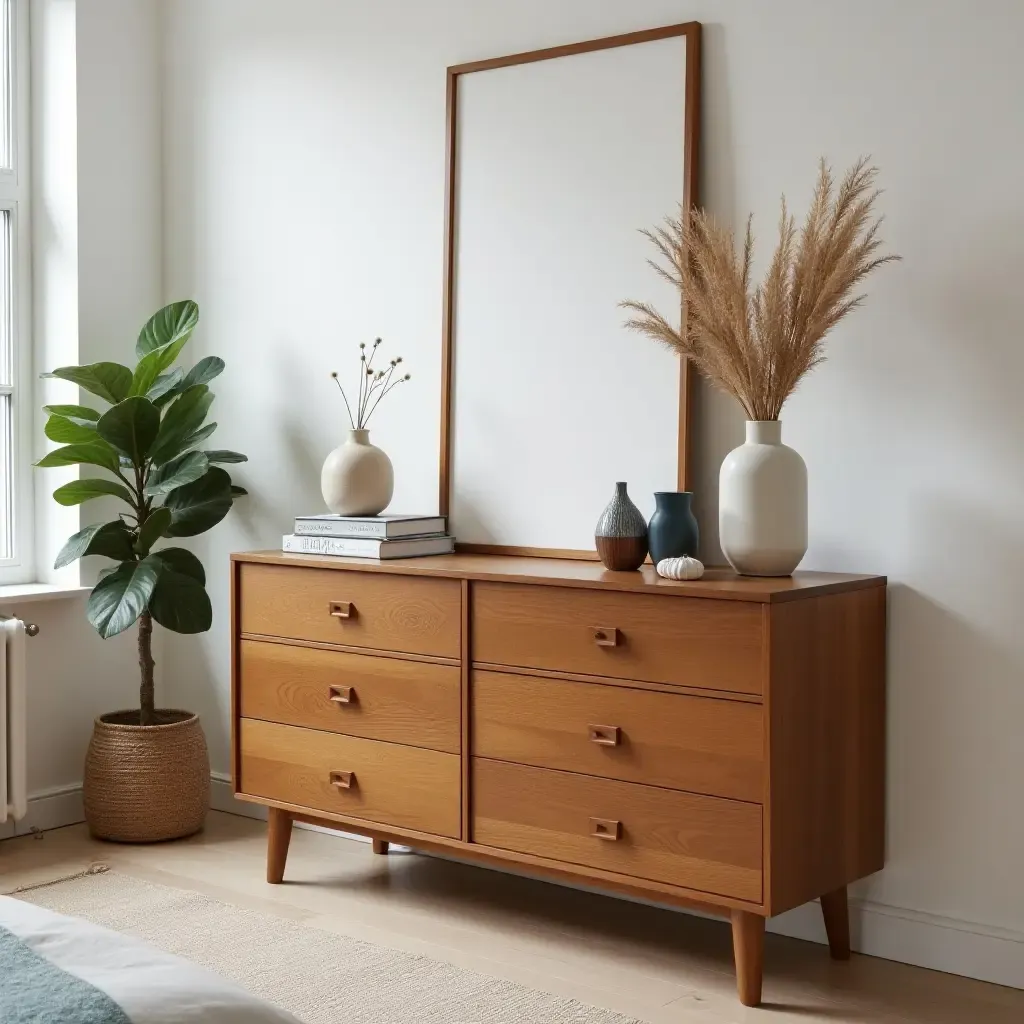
[663,967]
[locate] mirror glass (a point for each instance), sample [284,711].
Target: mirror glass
[558,163]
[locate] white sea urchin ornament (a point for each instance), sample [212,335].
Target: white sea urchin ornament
[684,568]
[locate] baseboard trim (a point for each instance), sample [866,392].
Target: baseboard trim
[48,809]
[934,941]
[222,798]
[940,943]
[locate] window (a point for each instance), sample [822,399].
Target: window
[16,397]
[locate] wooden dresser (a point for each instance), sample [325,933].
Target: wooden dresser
[717,744]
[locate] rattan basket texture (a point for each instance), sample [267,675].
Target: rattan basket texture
[146,784]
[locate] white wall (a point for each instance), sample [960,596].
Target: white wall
[119,175]
[303,147]
[97,270]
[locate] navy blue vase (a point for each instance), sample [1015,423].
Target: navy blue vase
[673,529]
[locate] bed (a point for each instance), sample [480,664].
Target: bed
[59,970]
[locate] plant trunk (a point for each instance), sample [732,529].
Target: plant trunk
[147,697]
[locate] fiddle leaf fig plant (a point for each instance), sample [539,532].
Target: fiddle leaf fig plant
[148,442]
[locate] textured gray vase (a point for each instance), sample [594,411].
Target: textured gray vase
[621,533]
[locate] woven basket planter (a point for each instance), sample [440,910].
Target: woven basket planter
[146,784]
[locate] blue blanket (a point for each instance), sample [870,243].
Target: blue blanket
[35,991]
[61,970]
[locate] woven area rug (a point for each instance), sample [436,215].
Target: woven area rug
[320,976]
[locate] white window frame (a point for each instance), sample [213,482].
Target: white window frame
[14,197]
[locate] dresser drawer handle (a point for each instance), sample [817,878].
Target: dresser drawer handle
[343,694]
[605,735]
[342,609]
[605,828]
[605,636]
[343,780]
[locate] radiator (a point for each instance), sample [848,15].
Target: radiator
[13,721]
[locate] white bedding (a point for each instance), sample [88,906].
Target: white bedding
[150,986]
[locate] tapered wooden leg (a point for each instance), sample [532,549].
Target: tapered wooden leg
[748,952]
[836,911]
[380,846]
[279,835]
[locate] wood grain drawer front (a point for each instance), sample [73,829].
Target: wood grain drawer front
[698,842]
[687,641]
[698,744]
[383,782]
[412,615]
[409,702]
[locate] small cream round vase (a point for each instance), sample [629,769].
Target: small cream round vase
[762,504]
[358,478]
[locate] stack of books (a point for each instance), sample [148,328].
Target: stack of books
[369,536]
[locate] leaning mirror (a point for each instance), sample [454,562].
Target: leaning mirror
[555,159]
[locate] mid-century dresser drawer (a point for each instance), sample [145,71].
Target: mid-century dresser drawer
[697,842]
[700,744]
[409,702]
[408,787]
[715,645]
[413,615]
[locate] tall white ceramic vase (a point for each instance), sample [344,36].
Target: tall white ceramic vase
[357,478]
[762,504]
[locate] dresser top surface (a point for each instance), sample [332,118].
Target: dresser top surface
[721,584]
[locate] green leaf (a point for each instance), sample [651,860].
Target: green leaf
[189,409]
[110,381]
[97,453]
[180,602]
[203,372]
[223,456]
[112,539]
[67,431]
[77,545]
[152,530]
[194,440]
[182,419]
[199,436]
[121,597]
[81,415]
[178,472]
[131,426]
[238,492]
[78,491]
[166,386]
[153,364]
[199,506]
[171,324]
[147,370]
[182,560]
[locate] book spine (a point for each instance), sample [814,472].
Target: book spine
[331,546]
[314,528]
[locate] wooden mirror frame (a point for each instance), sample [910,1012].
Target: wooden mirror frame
[691,31]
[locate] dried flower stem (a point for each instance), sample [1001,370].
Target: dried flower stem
[378,382]
[380,387]
[390,387]
[372,386]
[348,408]
[758,345]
